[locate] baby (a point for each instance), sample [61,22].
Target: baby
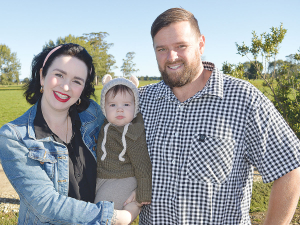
[123,162]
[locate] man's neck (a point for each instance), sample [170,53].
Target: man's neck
[189,90]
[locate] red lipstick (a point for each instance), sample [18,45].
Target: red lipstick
[61,99]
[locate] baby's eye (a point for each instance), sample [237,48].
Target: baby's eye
[127,104]
[112,105]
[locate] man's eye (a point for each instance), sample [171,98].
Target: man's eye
[182,46]
[161,49]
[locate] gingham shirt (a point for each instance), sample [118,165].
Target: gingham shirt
[203,150]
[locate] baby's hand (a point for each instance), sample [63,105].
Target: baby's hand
[146,203]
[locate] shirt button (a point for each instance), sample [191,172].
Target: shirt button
[42,163]
[176,134]
[173,161]
[94,149]
[78,175]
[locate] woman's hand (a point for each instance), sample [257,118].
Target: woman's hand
[132,198]
[121,217]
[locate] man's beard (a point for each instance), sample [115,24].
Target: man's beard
[179,79]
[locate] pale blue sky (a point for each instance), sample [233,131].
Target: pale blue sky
[25,26]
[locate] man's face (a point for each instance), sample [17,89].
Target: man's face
[178,52]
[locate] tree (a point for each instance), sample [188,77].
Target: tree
[26,80]
[9,66]
[128,65]
[237,71]
[282,82]
[104,63]
[96,46]
[251,70]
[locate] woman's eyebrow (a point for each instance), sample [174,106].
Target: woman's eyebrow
[79,78]
[62,71]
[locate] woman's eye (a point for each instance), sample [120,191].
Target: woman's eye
[58,75]
[77,82]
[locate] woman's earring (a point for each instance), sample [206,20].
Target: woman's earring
[42,89]
[78,102]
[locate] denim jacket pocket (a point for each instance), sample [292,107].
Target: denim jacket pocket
[210,159]
[45,158]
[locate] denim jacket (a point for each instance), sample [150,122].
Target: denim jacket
[39,172]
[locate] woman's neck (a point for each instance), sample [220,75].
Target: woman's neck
[53,117]
[58,121]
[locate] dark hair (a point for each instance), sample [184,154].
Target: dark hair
[32,89]
[119,88]
[174,15]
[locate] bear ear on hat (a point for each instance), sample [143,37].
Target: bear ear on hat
[134,80]
[106,78]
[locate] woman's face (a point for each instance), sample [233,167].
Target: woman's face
[63,83]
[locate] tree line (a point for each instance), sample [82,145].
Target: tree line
[94,43]
[281,78]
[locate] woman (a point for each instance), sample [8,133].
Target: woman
[48,153]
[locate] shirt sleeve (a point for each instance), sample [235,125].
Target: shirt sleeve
[139,157]
[270,144]
[37,191]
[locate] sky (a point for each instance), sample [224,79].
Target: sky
[25,26]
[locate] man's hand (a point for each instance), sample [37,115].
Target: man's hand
[283,199]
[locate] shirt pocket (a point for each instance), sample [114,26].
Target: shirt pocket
[210,159]
[46,160]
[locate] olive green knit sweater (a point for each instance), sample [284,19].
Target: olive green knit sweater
[137,161]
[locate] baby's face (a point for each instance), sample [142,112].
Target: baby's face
[120,109]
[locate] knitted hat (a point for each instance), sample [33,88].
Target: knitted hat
[108,83]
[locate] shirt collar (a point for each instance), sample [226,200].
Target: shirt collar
[214,85]
[40,126]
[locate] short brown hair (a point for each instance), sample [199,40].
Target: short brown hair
[171,16]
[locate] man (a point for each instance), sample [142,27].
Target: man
[205,131]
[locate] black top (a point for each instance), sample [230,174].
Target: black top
[82,165]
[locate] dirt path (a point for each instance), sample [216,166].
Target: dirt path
[9,199]
[5,186]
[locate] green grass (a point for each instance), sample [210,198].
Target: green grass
[265,90]
[11,87]
[12,105]
[260,196]
[8,218]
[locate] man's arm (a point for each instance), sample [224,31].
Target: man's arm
[283,199]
